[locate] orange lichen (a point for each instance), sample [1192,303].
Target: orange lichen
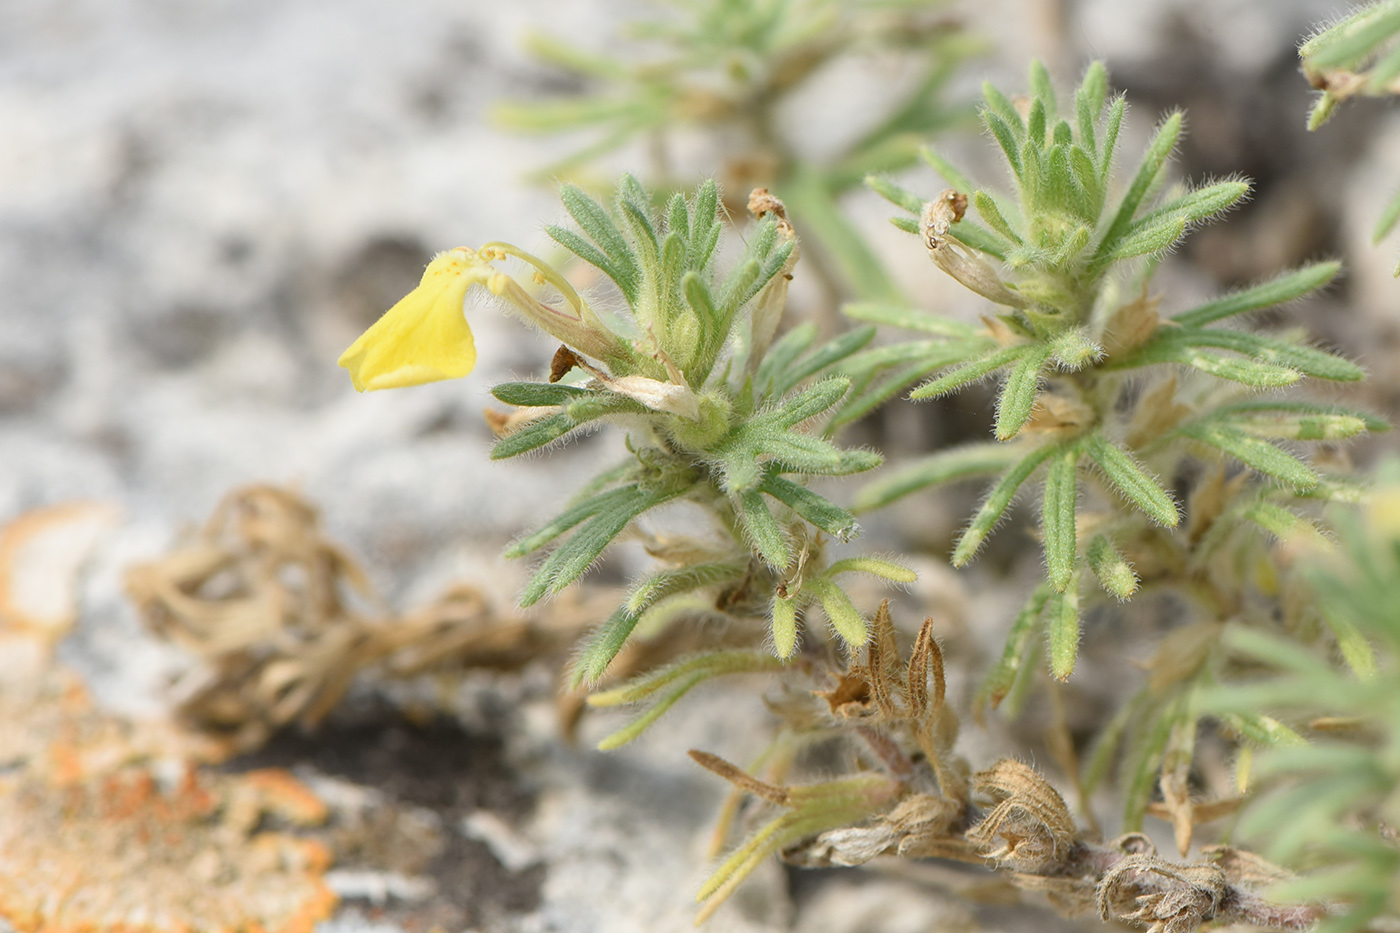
[120,852]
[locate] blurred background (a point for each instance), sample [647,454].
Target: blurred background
[203,203]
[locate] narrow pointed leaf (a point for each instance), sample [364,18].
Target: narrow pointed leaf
[908,318]
[895,194]
[601,647]
[988,210]
[1063,612]
[1112,569]
[845,618]
[1275,291]
[816,509]
[949,172]
[1008,667]
[1010,145]
[538,394]
[586,508]
[532,436]
[1259,455]
[627,279]
[1156,156]
[784,626]
[828,354]
[569,560]
[1132,481]
[884,569]
[594,219]
[946,466]
[996,504]
[765,534]
[1057,518]
[969,373]
[1018,395]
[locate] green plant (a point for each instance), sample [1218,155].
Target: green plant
[1333,805]
[1359,55]
[1115,405]
[726,70]
[1161,447]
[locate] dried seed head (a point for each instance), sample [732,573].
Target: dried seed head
[940,214]
[1168,898]
[1031,819]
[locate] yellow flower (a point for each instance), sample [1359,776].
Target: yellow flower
[425,336]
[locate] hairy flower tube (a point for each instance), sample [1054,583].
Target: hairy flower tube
[424,337]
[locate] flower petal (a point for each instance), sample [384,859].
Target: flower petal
[425,337]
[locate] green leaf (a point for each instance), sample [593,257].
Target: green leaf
[1073,349]
[585,508]
[828,354]
[968,373]
[1063,611]
[782,354]
[1259,455]
[1110,138]
[538,394]
[1155,158]
[1036,121]
[668,583]
[1284,524]
[639,725]
[946,466]
[988,210]
[908,318]
[593,218]
[1132,482]
[1147,239]
[1042,88]
[704,225]
[569,560]
[844,617]
[1246,371]
[901,197]
[1008,667]
[1356,650]
[1349,41]
[1298,421]
[1018,395]
[1275,291]
[875,566]
[627,280]
[1057,519]
[601,647]
[1005,138]
[764,532]
[816,509]
[784,626]
[533,435]
[978,238]
[1086,180]
[1197,205]
[1264,731]
[1144,759]
[996,504]
[1112,569]
[947,170]
[680,677]
[678,217]
[1088,103]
